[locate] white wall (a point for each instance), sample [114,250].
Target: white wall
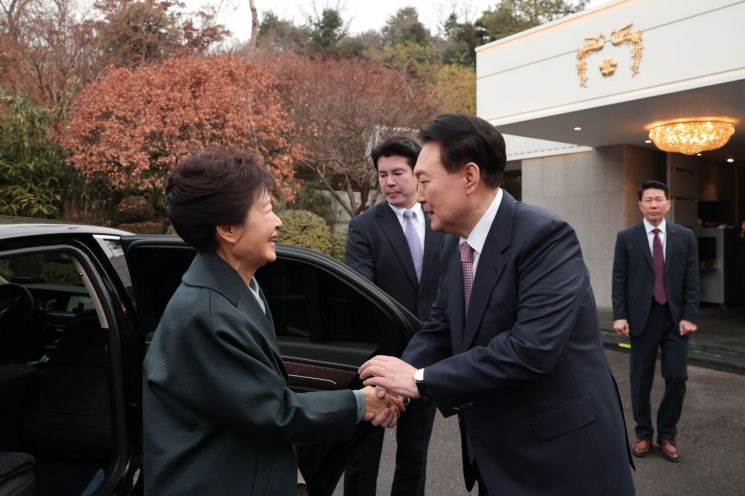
[595,192]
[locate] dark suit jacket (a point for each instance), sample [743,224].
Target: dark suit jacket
[633,276]
[377,249]
[218,415]
[525,370]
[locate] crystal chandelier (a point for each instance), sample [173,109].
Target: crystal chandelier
[692,136]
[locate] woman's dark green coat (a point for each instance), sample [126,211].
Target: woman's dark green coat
[218,415]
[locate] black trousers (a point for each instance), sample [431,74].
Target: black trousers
[661,333]
[412,439]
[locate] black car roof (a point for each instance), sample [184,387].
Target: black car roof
[8,231]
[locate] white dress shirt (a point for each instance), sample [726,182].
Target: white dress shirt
[480,231]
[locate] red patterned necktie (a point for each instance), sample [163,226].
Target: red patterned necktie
[658,260]
[466,260]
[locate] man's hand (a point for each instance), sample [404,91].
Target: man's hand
[381,412]
[621,327]
[391,373]
[687,327]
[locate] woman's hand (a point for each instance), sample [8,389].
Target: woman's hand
[381,411]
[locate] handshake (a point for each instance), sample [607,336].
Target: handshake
[387,380]
[382,408]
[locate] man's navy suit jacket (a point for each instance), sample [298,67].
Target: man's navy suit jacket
[525,369]
[633,275]
[377,249]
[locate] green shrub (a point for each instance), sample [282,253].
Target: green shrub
[33,175]
[311,197]
[303,228]
[339,243]
[134,209]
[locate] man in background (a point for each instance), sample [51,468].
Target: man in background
[393,246]
[655,303]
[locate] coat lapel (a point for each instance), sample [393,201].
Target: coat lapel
[210,271]
[455,289]
[491,266]
[671,243]
[431,241]
[640,234]
[392,229]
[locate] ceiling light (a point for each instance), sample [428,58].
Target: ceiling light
[698,154]
[730,160]
[578,128]
[647,141]
[691,136]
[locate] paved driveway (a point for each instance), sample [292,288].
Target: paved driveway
[711,437]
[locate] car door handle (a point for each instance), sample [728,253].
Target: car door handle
[318,376]
[311,382]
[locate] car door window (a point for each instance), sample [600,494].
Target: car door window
[321,316]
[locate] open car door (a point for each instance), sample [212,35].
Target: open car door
[328,319]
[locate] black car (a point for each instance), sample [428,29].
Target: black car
[78,306]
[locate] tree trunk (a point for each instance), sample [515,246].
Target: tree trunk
[254,25]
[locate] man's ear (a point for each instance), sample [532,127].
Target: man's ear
[471,176]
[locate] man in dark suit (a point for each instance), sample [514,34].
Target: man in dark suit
[655,302]
[393,245]
[512,344]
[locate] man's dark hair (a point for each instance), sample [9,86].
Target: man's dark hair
[653,185]
[400,146]
[467,138]
[214,187]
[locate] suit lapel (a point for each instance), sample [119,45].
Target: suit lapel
[491,266]
[455,289]
[671,244]
[392,229]
[431,240]
[641,237]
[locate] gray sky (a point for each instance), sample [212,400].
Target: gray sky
[361,15]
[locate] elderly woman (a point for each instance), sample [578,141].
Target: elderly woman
[218,415]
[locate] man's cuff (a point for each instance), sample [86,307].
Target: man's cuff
[419,375]
[359,397]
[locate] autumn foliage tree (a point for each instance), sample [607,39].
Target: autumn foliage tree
[133,125]
[341,108]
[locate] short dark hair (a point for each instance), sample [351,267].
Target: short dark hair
[215,187]
[653,185]
[467,138]
[400,146]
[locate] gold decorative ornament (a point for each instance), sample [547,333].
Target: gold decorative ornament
[690,137]
[592,44]
[608,66]
[624,35]
[619,36]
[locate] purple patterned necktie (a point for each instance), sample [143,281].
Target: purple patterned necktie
[466,260]
[658,259]
[415,244]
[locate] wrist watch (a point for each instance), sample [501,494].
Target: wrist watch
[420,385]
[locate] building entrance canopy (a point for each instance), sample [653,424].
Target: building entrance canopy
[616,71]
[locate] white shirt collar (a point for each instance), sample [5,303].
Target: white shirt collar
[477,237]
[417,209]
[649,227]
